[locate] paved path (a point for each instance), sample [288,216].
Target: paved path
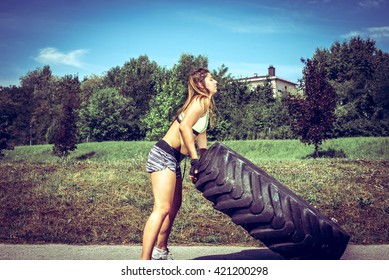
[130,252]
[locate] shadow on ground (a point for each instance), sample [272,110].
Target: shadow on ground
[330,153]
[252,254]
[86,156]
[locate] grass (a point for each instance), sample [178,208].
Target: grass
[91,152]
[101,193]
[352,148]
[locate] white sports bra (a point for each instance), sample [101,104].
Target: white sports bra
[200,126]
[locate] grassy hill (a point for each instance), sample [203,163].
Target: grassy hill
[256,150]
[102,194]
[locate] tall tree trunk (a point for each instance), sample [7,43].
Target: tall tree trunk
[316,154]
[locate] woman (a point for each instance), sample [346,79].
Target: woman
[164,159]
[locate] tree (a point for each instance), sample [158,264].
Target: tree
[7,116]
[358,72]
[231,102]
[222,126]
[40,84]
[260,111]
[16,101]
[244,112]
[137,82]
[313,112]
[161,113]
[380,92]
[90,85]
[5,135]
[181,71]
[163,107]
[112,78]
[65,131]
[108,116]
[187,64]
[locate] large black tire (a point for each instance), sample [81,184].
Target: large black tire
[266,209]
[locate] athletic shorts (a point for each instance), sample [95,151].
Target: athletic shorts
[163,156]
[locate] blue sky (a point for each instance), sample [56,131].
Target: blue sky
[88,37]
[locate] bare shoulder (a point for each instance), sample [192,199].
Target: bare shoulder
[201,103]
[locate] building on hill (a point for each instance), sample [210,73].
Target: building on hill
[278,84]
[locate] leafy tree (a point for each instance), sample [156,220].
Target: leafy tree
[357,70]
[313,112]
[137,83]
[40,83]
[18,101]
[65,131]
[108,116]
[163,107]
[237,111]
[90,85]
[231,101]
[187,64]
[5,135]
[260,111]
[221,127]
[380,93]
[112,78]
[245,112]
[279,120]
[7,116]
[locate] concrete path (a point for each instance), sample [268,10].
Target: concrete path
[132,252]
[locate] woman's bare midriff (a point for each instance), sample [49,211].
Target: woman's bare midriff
[174,139]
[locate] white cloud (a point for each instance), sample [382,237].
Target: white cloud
[370,3]
[378,32]
[352,34]
[54,56]
[371,32]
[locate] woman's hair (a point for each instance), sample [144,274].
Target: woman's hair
[194,91]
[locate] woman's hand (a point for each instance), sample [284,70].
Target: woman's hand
[194,170]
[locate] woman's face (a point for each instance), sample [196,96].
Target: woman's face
[210,84]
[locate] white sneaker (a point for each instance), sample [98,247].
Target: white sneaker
[159,254]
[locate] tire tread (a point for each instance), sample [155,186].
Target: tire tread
[269,211]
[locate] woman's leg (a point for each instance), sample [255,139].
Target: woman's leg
[167,225]
[163,184]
